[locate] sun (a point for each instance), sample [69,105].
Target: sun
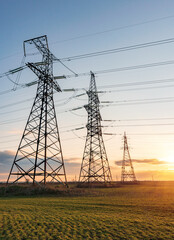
[169,158]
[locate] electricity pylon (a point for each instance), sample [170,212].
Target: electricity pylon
[39,156]
[128,173]
[95,165]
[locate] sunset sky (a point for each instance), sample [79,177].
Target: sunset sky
[142,106]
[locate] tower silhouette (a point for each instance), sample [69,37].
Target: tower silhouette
[127,166]
[39,156]
[95,165]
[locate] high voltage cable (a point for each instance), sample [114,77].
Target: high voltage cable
[9,141]
[118,134]
[151,134]
[16,103]
[138,119]
[101,32]
[131,102]
[13,71]
[11,122]
[112,86]
[66,139]
[59,60]
[123,102]
[137,103]
[17,110]
[115,29]
[78,125]
[29,99]
[142,125]
[117,50]
[113,126]
[134,67]
[20,86]
[135,89]
[138,100]
[158,81]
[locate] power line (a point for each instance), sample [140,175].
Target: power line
[142,125]
[158,81]
[118,50]
[16,103]
[136,89]
[139,119]
[148,65]
[29,99]
[69,69]
[13,71]
[138,100]
[101,32]
[115,29]
[17,110]
[134,67]
[137,103]
[122,102]
[151,134]
[6,122]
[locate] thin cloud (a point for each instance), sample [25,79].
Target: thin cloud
[72,160]
[6,157]
[152,161]
[72,166]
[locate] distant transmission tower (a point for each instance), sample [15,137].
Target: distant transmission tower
[95,165]
[127,166]
[39,155]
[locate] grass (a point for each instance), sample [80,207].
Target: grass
[144,211]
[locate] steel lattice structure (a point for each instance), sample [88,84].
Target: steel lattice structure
[128,173]
[95,165]
[39,155]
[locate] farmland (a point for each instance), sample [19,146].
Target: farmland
[144,211]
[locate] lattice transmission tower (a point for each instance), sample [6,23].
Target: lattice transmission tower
[128,173]
[39,156]
[95,165]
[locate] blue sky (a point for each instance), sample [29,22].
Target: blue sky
[66,23]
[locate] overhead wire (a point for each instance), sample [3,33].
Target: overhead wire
[118,50]
[138,100]
[16,103]
[157,81]
[139,119]
[117,103]
[19,74]
[160,81]
[6,122]
[116,29]
[101,32]
[126,48]
[128,68]
[142,125]
[136,89]
[138,103]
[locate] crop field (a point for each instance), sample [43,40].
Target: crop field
[144,211]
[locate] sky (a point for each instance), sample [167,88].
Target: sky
[80,27]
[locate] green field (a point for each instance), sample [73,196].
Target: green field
[144,211]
